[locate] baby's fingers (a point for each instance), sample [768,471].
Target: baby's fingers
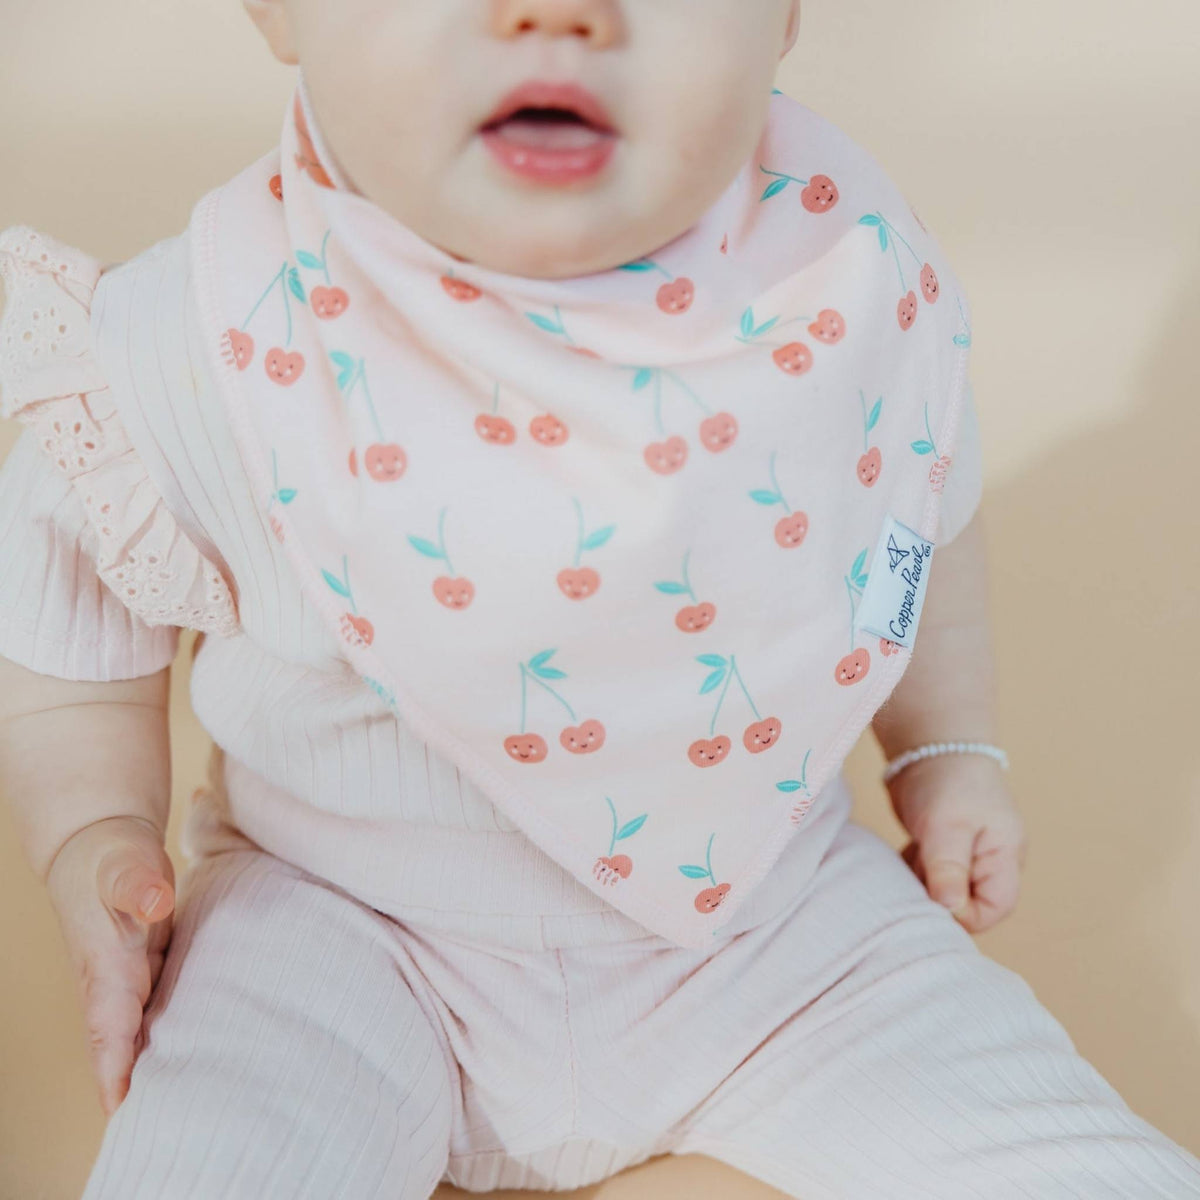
[945,853]
[995,883]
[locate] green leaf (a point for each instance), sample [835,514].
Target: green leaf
[883,241]
[335,583]
[858,563]
[874,414]
[642,378]
[637,266]
[789,785]
[747,322]
[710,660]
[544,323]
[344,378]
[549,673]
[713,680]
[598,538]
[287,495]
[773,188]
[764,326]
[538,659]
[629,829]
[670,587]
[695,872]
[962,339]
[425,546]
[763,496]
[922,447]
[869,219]
[296,286]
[309,260]
[861,580]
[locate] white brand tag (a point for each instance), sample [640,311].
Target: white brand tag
[895,591]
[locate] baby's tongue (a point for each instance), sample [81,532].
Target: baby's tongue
[548,135]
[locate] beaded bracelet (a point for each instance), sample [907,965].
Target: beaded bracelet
[910,756]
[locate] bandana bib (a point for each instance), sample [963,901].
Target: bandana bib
[641,551]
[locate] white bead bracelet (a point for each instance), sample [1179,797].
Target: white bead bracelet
[930,748]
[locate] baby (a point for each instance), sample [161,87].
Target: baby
[554,370]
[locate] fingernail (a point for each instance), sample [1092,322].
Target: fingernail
[150,899]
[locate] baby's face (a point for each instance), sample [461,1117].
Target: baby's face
[403,91]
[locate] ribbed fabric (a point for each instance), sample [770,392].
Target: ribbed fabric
[854,1046]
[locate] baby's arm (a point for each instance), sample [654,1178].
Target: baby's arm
[87,773]
[968,840]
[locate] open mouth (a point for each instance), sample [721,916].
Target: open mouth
[550,132]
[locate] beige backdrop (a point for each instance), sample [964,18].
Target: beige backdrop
[1051,145]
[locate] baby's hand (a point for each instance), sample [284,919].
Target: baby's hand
[98,883]
[968,839]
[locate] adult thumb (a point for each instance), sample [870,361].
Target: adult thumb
[946,859]
[134,880]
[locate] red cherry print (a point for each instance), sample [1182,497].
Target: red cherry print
[353,461]
[695,618]
[829,327]
[820,195]
[888,647]
[710,899]
[790,530]
[385,462]
[307,159]
[906,310]
[667,457]
[929,284]
[460,289]
[718,431]
[676,297]
[937,473]
[582,739]
[283,368]
[358,631]
[329,302]
[454,593]
[869,466]
[277,528]
[498,430]
[610,869]
[526,747]
[853,667]
[795,358]
[577,583]
[548,430]
[276,186]
[761,735]
[238,348]
[707,752]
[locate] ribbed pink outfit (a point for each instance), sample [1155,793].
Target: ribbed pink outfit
[377,982]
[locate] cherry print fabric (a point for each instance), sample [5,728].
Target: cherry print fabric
[601,540]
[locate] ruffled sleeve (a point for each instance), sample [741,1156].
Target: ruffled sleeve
[83,511]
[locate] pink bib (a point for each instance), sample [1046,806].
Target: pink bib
[641,551]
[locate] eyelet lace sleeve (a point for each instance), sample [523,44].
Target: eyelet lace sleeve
[50,380]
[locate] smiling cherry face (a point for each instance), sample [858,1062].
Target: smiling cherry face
[887,647]
[853,667]
[695,617]
[329,302]
[791,530]
[676,297]
[820,195]
[548,430]
[929,284]
[707,752]
[358,631]
[718,432]
[454,593]
[906,310]
[526,747]
[869,466]
[497,430]
[829,327]
[710,899]
[239,347]
[283,368]
[665,458]
[795,358]
[460,289]
[761,735]
[582,739]
[385,462]
[577,583]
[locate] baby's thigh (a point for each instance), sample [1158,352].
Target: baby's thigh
[284,1056]
[904,1063]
